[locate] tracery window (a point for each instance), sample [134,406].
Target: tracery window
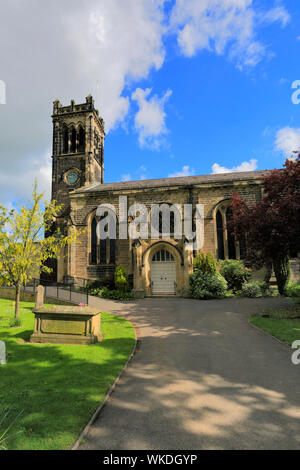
[102,251]
[172,220]
[163,255]
[227,246]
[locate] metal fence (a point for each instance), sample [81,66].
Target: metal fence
[66,292]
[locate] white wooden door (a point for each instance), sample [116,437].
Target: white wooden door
[163,277]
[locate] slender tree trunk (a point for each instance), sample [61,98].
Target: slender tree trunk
[282,273]
[18,291]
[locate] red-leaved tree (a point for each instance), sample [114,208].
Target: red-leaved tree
[272,226]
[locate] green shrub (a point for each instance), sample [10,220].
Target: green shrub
[264,288]
[205,263]
[252,289]
[92,285]
[292,289]
[121,281]
[235,273]
[105,293]
[204,285]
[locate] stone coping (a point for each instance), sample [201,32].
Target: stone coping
[67,310]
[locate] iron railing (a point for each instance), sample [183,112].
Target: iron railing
[74,293]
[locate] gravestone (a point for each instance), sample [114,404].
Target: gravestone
[2,353]
[63,324]
[39,297]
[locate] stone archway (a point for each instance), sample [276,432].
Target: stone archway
[166,267]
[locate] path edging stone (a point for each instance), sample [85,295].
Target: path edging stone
[270,335]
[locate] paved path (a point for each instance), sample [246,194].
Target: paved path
[202,378]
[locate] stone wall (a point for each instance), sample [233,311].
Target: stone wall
[295,270]
[9,293]
[84,205]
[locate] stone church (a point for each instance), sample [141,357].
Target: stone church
[154,266]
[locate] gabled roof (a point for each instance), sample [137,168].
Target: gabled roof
[171,182]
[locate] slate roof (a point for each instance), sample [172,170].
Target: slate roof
[171,182]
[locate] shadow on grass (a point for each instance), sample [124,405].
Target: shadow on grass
[25,335]
[57,386]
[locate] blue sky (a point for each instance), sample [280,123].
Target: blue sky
[216,113]
[185,86]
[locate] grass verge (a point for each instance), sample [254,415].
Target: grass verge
[56,387]
[284,324]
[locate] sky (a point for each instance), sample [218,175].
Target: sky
[186,87]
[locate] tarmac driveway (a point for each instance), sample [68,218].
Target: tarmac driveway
[202,378]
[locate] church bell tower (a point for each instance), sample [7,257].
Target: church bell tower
[78,149]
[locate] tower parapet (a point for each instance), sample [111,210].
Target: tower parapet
[78,148]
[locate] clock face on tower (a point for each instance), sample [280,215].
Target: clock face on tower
[71,177]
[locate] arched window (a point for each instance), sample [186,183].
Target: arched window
[102,251]
[94,241]
[65,140]
[73,140]
[220,235]
[81,140]
[174,216]
[163,256]
[112,251]
[103,259]
[227,246]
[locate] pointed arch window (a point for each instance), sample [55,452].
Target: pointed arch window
[227,246]
[65,140]
[112,251]
[73,140]
[103,252]
[174,216]
[81,140]
[94,241]
[162,256]
[220,235]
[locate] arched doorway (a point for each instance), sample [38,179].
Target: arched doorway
[163,273]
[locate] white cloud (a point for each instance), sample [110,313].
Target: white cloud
[223,26]
[245,166]
[20,185]
[150,119]
[186,171]
[288,140]
[126,177]
[283,81]
[279,14]
[64,48]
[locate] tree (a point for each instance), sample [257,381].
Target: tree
[23,245]
[205,263]
[272,227]
[121,281]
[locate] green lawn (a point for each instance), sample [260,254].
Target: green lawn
[286,330]
[283,324]
[58,387]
